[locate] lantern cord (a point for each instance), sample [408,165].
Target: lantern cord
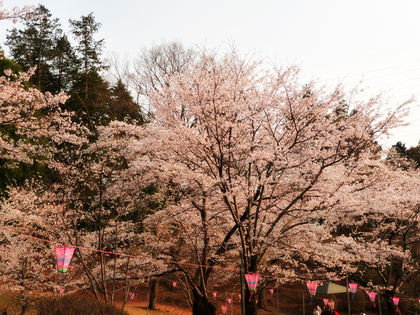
[250,297]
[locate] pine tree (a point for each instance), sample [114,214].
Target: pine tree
[88,48]
[34,47]
[122,105]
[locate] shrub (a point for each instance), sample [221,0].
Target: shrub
[76,305]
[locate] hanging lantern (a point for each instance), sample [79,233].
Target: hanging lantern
[63,256]
[271,291]
[312,289]
[252,281]
[229,300]
[396,301]
[224,309]
[174,284]
[331,304]
[372,296]
[214,295]
[62,291]
[5,278]
[353,289]
[325,302]
[131,296]
[240,297]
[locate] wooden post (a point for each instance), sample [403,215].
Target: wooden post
[348,295]
[379,302]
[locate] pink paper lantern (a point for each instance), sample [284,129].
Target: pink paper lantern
[271,291]
[312,289]
[62,291]
[63,256]
[396,301]
[131,296]
[325,302]
[229,301]
[372,296]
[240,297]
[214,295]
[224,309]
[331,304]
[252,282]
[353,289]
[174,284]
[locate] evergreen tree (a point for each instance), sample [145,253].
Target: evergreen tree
[122,105]
[90,108]
[6,64]
[65,64]
[88,48]
[34,47]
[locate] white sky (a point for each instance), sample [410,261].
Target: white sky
[332,40]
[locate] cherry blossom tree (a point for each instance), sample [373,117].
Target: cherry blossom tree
[104,189]
[384,244]
[27,264]
[257,159]
[32,117]
[16,14]
[32,127]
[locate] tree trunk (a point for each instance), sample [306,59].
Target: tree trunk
[201,306]
[250,306]
[261,300]
[390,308]
[153,291]
[251,301]
[24,303]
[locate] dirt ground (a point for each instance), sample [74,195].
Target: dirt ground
[139,308]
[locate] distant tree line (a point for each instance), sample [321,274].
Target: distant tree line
[75,69]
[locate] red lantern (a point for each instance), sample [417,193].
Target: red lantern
[63,256]
[131,296]
[353,289]
[62,291]
[224,309]
[271,291]
[240,297]
[214,295]
[331,304]
[174,284]
[229,301]
[325,302]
